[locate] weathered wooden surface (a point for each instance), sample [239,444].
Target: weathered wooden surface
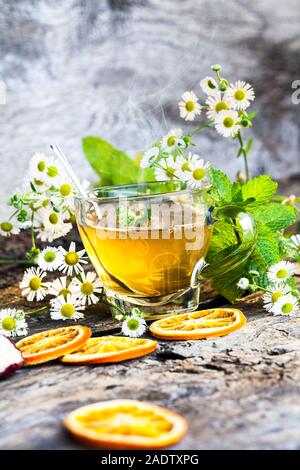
[237,392]
[117,68]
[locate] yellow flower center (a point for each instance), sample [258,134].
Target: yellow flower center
[50,256]
[228,122]
[6,226]
[53,218]
[185,167]
[87,288]
[171,141]
[41,166]
[8,323]
[287,308]
[221,106]
[67,310]
[282,273]
[65,189]
[35,283]
[170,171]
[239,95]
[190,106]
[45,203]
[133,324]
[198,174]
[276,296]
[38,182]
[71,258]
[52,171]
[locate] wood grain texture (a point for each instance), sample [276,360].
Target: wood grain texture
[117,68]
[237,392]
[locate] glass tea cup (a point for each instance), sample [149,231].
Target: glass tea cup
[148,242]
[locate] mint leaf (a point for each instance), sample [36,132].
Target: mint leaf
[111,164]
[275,216]
[221,186]
[262,188]
[267,248]
[223,237]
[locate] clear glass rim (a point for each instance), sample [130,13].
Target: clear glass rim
[182,190]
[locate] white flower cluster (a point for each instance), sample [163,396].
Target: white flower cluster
[279,297]
[69,294]
[225,106]
[45,202]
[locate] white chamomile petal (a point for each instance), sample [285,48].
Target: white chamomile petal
[149,157]
[197,174]
[227,123]
[280,272]
[12,322]
[173,139]
[50,258]
[274,293]
[216,104]
[209,85]
[9,227]
[66,307]
[166,169]
[32,285]
[241,94]
[61,286]
[87,288]
[72,260]
[134,326]
[189,106]
[50,224]
[287,305]
[295,241]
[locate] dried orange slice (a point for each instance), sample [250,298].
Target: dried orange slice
[126,424]
[51,344]
[110,349]
[200,324]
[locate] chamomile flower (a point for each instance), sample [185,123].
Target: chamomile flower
[49,259]
[9,227]
[66,308]
[243,283]
[38,165]
[241,94]
[61,286]
[72,260]
[216,104]
[227,123]
[12,322]
[149,157]
[50,224]
[166,169]
[173,139]
[32,285]
[189,106]
[182,164]
[280,272]
[134,326]
[295,241]
[198,174]
[209,86]
[86,288]
[287,305]
[54,172]
[274,293]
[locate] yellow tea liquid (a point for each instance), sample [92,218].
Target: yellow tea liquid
[130,264]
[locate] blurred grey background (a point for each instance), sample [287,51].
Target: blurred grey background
[117,68]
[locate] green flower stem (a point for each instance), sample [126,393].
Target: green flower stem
[37,310]
[109,304]
[23,262]
[205,125]
[244,153]
[32,232]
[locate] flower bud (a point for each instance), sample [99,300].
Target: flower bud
[241,177]
[223,85]
[216,67]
